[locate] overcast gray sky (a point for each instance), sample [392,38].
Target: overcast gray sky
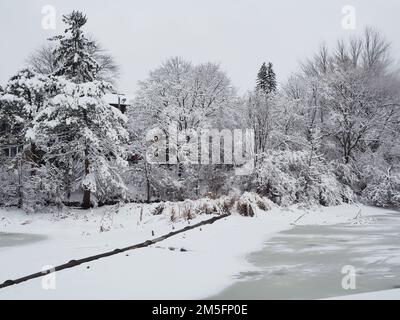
[239,34]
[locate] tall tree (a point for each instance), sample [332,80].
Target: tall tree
[83,136]
[78,128]
[350,97]
[74,54]
[262,79]
[259,117]
[190,97]
[271,78]
[266,79]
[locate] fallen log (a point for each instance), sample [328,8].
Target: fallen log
[74,263]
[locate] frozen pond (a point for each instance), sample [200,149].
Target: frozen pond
[18,239]
[306,262]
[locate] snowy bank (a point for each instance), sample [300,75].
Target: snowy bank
[393,294]
[211,257]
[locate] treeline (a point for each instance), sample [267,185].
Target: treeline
[327,135]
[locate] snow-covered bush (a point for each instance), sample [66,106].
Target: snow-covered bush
[383,189]
[347,174]
[289,177]
[27,186]
[249,204]
[379,174]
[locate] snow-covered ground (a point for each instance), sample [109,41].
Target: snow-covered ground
[213,253]
[393,294]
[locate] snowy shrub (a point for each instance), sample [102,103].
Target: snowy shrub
[383,189]
[379,172]
[206,206]
[346,173]
[227,203]
[28,187]
[249,203]
[288,177]
[331,191]
[158,209]
[177,211]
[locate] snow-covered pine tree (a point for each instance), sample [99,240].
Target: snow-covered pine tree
[262,79]
[79,128]
[74,54]
[271,78]
[81,134]
[43,61]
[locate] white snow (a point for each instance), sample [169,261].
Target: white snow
[393,294]
[215,253]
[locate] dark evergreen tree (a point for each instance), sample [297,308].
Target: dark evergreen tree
[74,55]
[271,78]
[262,79]
[266,79]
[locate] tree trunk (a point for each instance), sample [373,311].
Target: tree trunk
[20,194]
[86,199]
[86,194]
[147,182]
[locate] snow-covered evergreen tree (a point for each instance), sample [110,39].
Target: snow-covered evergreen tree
[82,136]
[74,56]
[271,78]
[266,79]
[262,79]
[43,60]
[78,127]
